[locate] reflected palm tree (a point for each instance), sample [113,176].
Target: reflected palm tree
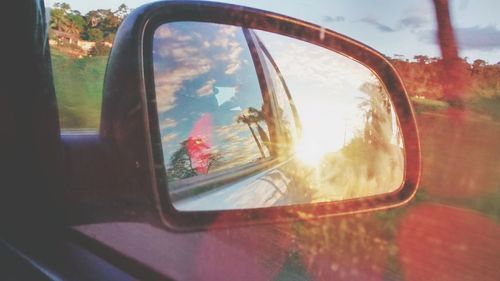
[254,116]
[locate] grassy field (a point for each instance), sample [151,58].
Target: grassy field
[78,83]
[487,106]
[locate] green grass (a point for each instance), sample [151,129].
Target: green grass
[78,84]
[488,106]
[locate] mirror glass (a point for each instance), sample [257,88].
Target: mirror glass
[251,119]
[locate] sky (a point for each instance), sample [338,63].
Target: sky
[393,27]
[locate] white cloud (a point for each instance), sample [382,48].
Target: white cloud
[168,137]
[206,89]
[168,123]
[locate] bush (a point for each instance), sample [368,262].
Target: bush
[100,49]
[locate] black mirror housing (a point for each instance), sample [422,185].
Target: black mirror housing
[130,123]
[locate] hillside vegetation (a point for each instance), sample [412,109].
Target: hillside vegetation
[78,84]
[422,78]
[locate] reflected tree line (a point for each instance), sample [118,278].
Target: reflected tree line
[372,162]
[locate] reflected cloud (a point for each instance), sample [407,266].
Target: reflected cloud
[180,59]
[168,83]
[168,123]
[169,137]
[207,89]
[163,32]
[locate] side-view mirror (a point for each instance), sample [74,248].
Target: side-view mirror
[233,115]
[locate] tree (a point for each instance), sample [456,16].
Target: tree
[194,157]
[477,65]
[77,23]
[421,59]
[122,11]
[66,20]
[181,166]
[58,19]
[453,72]
[105,21]
[95,34]
[65,7]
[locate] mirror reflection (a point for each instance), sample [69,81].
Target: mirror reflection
[251,119]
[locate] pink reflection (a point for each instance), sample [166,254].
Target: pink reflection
[245,253]
[437,242]
[344,248]
[199,143]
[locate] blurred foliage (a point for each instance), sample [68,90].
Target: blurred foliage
[96,25]
[100,49]
[78,84]
[422,77]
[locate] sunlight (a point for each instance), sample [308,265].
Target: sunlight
[319,137]
[308,153]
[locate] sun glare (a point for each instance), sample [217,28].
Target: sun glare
[324,131]
[308,153]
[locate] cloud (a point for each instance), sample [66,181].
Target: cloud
[469,38]
[413,22]
[333,19]
[463,4]
[374,22]
[479,38]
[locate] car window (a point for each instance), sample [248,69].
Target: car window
[209,101]
[284,112]
[80,44]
